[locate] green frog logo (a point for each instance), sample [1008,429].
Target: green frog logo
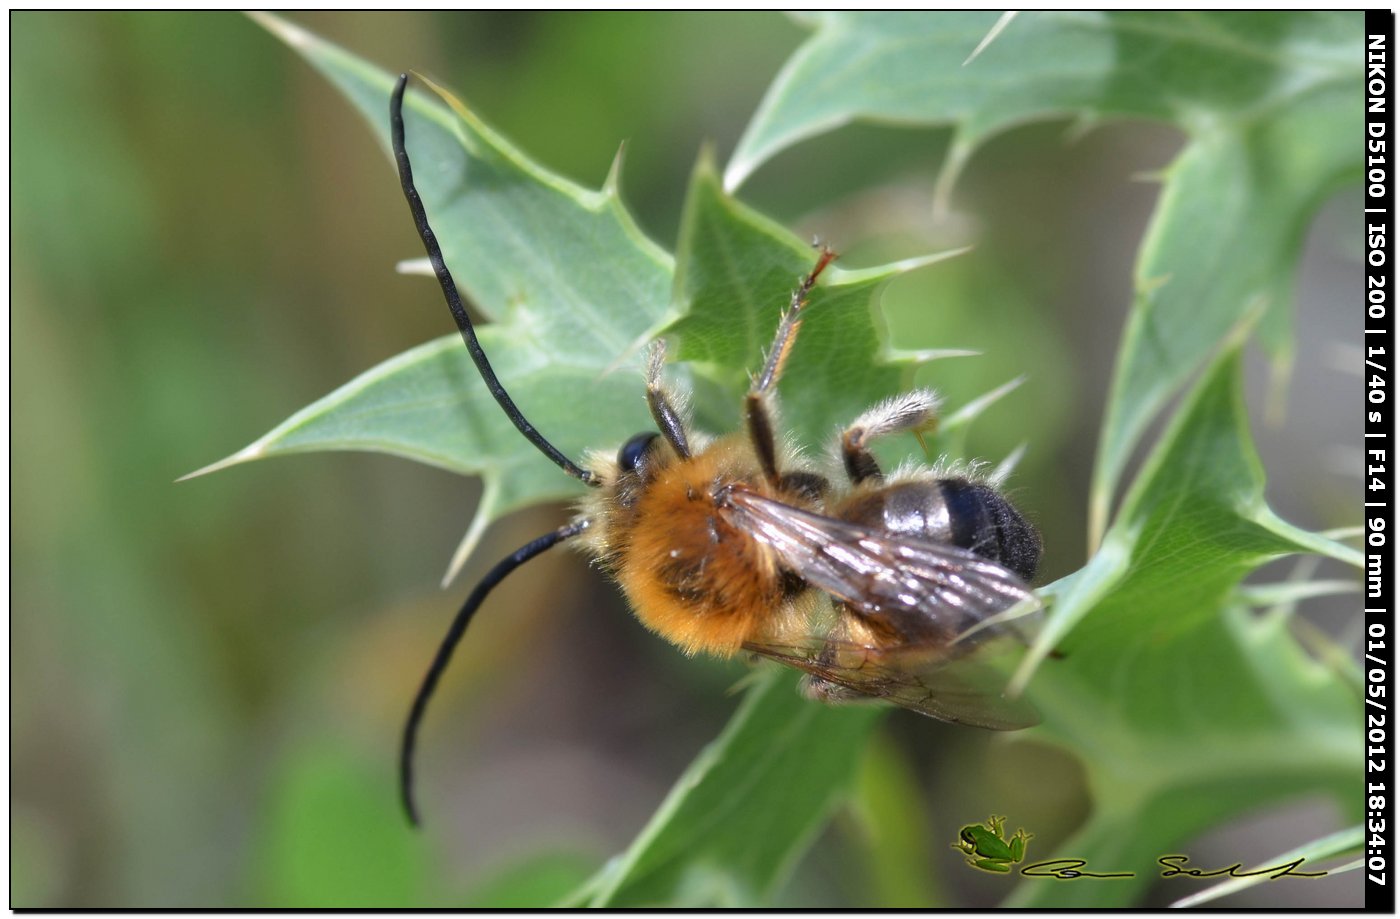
[987,847]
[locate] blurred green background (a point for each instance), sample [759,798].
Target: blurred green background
[207,680]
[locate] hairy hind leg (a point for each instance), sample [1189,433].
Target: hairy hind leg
[913,411]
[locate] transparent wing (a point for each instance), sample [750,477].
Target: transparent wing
[925,594]
[963,690]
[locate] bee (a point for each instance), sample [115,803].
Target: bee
[880,587]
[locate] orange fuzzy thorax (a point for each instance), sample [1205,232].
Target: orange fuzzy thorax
[690,576]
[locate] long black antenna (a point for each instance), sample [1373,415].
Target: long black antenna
[449,644]
[454,299]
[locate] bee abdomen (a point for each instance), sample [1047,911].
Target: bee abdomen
[985,522]
[968,514]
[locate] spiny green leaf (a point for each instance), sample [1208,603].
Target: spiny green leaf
[735,274]
[913,67]
[1224,241]
[1185,708]
[1268,102]
[572,284]
[1198,506]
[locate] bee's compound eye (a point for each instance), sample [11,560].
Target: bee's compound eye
[629,458]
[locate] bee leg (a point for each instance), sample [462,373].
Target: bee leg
[825,691]
[788,326]
[757,412]
[913,411]
[668,418]
[843,635]
[760,423]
